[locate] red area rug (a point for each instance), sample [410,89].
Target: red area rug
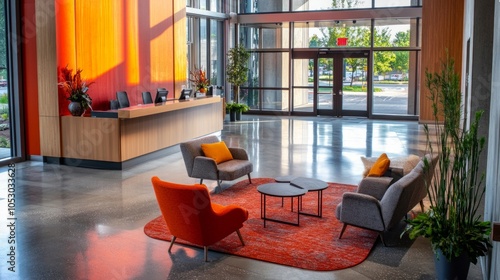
[313,245]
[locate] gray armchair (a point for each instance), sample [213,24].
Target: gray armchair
[202,167]
[377,205]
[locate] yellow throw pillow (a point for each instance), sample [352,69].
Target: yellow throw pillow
[218,151]
[380,166]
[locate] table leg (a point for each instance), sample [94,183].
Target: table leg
[299,202]
[265,218]
[263,208]
[320,203]
[319,207]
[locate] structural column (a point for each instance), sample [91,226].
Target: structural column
[48,101]
[492,203]
[442,31]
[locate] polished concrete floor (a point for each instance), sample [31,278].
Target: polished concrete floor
[77,223]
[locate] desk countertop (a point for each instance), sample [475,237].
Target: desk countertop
[152,109]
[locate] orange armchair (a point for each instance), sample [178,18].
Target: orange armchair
[191,216]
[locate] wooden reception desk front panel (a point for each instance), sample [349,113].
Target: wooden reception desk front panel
[139,130]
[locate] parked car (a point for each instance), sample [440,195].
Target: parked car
[396,77]
[3,83]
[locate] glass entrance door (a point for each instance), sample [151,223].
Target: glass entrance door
[342,84]
[326,85]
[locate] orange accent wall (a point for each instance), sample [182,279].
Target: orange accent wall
[121,45]
[66,44]
[30,84]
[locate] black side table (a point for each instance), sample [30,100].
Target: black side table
[279,190]
[309,184]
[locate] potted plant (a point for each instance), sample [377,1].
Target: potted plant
[237,70]
[457,234]
[199,78]
[75,89]
[239,108]
[230,108]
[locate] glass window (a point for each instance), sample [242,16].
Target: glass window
[216,6]
[396,3]
[233,6]
[303,85]
[256,6]
[250,97]
[332,34]
[275,65]
[215,49]
[265,36]
[395,80]
[203,43]
[5,120]
[10,95]
[205,48]
[314,5]
[275,100]
[202,4]
[198,4]
[303,73]
[396,33]
[267,91]
[303,99]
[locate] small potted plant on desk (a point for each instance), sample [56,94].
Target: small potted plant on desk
[76,90]
[200,81]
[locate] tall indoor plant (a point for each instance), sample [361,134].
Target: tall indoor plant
[456,231]
[237,69]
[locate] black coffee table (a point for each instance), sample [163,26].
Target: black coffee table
[309,184]
[279,190]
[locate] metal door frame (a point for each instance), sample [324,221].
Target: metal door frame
[338,76]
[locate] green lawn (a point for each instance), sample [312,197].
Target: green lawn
[329,78]
[4,99]
[359,88]
[351,88]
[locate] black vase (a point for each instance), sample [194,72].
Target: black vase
[232,115]
[456,268]
[76,109]
[238,115]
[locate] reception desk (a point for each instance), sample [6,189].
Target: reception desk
[130,133]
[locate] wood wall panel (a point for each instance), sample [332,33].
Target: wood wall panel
[50,136]
[48,99]
[140,136]
[91,138]
[46,52]
[118,139]
[153,109]
[442,29]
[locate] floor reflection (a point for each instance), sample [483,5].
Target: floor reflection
[77,223]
